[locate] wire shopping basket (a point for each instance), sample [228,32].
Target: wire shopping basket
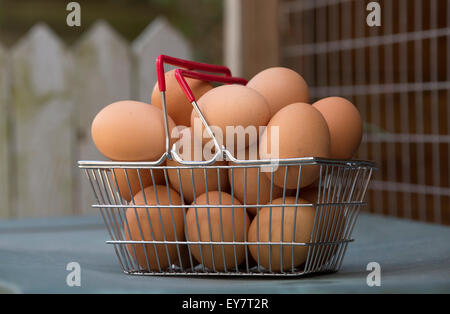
[185,219]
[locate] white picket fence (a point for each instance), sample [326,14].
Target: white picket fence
[49,94]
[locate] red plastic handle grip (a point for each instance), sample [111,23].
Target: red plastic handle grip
[181,74]
[190,65]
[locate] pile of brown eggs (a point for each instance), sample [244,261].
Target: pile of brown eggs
[276,97]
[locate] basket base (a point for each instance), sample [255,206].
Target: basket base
[232,274]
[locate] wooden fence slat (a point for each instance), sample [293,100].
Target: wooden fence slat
[44,135]
[102,75]
[158,38]
[251,36]
[4,137]
[51,97]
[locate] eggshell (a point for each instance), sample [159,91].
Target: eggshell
[204,228]
[280,87]
[303,132]
[177,105]
[138,220]
[345,124]
[130,131]
[233,105]
[246,179]
[133,179]
[199,186]
[304,222]
[331,221]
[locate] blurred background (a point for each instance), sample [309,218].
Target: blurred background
[54,78]
[201,26]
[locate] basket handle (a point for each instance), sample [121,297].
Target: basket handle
[191,65]
[180,75]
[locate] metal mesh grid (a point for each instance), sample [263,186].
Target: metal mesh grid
[337,200]
[398,77]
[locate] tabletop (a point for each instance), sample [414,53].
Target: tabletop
[34,253]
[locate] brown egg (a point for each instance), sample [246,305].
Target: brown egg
[280,87]
[240,185]
[133,179]
[199,186]
[130,131]
[171,229]
[204,228]
[178,106]
[304,222]
[234,106]
[303,132]
[331,222]
[345,124]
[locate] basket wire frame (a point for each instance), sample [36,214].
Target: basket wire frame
[341,188]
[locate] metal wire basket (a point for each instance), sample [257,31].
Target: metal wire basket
[278,232]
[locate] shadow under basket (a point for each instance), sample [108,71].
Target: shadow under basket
[285,231]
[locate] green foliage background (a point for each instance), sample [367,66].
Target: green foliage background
[199,20]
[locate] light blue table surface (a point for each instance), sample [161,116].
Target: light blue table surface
[414,257]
